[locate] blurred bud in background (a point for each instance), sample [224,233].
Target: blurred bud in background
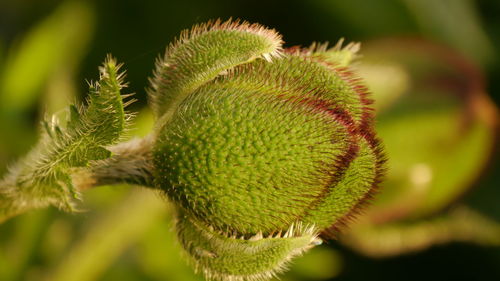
[439,128]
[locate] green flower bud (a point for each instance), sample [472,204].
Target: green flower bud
[261,149]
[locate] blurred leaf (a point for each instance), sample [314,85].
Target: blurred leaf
[46,55]
[370,17]
[432,161]
[161,256]
[387,81]
[320,263]
[455,22]
[143,123]
[2,54]
[23,245]
[59,234]
[109,236]
[60,38]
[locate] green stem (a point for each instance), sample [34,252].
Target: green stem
[130,164]
[458,225]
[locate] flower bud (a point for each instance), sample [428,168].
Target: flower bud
[261,149]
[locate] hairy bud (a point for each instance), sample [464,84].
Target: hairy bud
[261,149]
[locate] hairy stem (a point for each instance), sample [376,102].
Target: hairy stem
[130,164]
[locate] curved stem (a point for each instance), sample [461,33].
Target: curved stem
[458,225]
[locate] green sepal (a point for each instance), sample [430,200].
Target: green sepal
[220,256]
[355,186]
[338,55]
[202,53]
[298,75]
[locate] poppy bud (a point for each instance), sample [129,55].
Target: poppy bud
[261,149]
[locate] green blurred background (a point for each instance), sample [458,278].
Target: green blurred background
[48,49]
